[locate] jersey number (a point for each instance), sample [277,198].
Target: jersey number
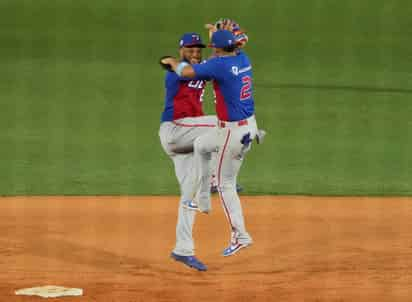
[246,91]
[196,84]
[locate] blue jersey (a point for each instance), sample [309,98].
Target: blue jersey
[183,97]
[232,82]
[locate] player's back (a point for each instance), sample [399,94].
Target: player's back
[233,88]
[183,98]
[232,82]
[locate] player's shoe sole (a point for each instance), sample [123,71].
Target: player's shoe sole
[190,261]
[234,248]
[190,205]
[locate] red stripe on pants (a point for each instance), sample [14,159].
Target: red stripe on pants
[219,177]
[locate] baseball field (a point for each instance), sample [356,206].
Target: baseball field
[90,199]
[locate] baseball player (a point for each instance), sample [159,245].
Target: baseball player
[241,39]
[231,72]
[182,121]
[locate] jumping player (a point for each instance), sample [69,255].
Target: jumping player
[231,72]
[182,121]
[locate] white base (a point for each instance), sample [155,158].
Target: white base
[50,291]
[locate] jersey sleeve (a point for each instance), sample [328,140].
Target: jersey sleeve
[171,84]
[207,70]
[171,80]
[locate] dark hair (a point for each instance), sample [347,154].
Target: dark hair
[230,48]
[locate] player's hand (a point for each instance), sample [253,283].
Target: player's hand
[166,62]
[260,135]
[211,28]
[228,24]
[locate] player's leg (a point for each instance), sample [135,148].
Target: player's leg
[213,182]
[183,163]
[184,241]
[230,157]
[182,134]
[186,132]
[184,249]
[204,147]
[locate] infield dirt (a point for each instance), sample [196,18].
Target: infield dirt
[117,249]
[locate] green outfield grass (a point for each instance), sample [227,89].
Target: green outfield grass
[81,94]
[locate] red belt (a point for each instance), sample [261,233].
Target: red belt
[222,124]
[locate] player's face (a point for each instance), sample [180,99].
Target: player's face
[191,54]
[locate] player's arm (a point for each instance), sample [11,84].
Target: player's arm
[183,69]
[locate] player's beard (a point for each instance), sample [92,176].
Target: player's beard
[191,56]
[192,60]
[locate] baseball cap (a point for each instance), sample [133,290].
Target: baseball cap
[222,38]
[191,40]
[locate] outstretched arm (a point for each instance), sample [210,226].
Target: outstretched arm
[182,69]
[205,71]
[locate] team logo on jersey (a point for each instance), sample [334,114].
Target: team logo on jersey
[197,84]
[235,70]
